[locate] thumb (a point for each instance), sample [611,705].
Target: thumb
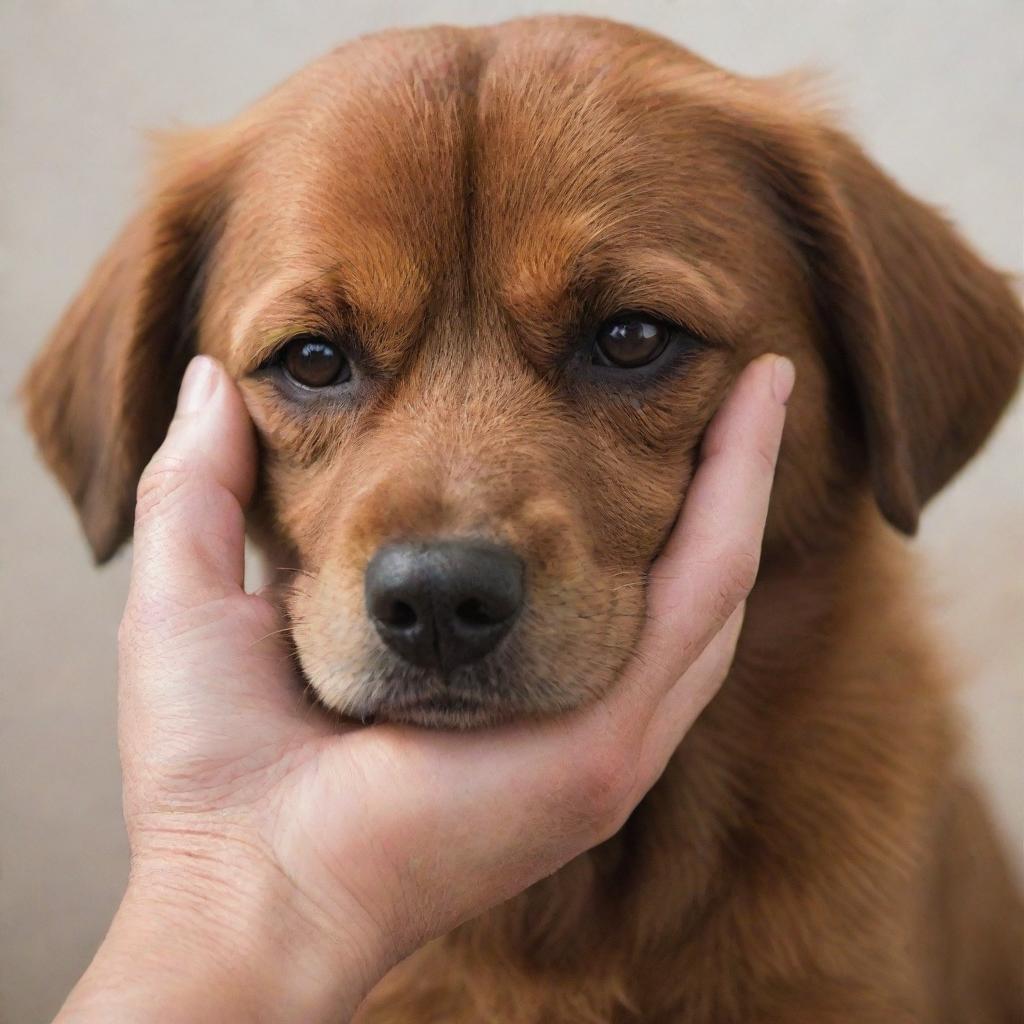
[191,639]
[189,520]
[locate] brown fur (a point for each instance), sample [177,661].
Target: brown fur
[459,206]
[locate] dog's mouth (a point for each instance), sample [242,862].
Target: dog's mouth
[446,711]
[490,693]
[435,708]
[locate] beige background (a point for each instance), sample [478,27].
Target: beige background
[936,90]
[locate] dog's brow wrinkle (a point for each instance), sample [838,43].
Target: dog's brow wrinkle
[474,69]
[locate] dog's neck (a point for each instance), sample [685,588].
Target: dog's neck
[806,616]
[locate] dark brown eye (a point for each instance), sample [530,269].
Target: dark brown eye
[315,362]
[631,340]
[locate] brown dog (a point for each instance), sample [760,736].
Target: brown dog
[483,290]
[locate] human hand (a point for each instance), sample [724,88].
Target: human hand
[281,861]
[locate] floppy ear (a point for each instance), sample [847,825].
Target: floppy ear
[931,338]
[101,394]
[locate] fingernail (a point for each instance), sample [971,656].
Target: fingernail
[197,385]
[783,377]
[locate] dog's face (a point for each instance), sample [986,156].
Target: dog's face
[503,302]
[482,291]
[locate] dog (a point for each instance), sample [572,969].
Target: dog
[482,290]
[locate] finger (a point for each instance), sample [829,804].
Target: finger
[711,559]
[189,523]
[684,702]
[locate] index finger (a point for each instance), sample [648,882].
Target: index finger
[710,562]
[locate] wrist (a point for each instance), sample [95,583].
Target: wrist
[199,942]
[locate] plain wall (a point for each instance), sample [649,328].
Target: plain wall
[936,91]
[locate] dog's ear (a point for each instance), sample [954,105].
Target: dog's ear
[930,338]
[101,394]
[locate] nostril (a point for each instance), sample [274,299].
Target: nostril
[445,603]
[473,612]
[399,615]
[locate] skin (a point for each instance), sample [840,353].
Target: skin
[282,862]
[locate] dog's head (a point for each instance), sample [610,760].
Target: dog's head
[482,291]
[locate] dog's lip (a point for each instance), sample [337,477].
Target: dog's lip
[440,702]
[440,710]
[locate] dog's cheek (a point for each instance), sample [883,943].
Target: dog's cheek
[330,636]
[641,455]
[586,597]
[297,489]
[634,501]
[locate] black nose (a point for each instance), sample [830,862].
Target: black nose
[446,603]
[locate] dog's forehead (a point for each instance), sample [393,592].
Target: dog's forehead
[410,167]
[402,131]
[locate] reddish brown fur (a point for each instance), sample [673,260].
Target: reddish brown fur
[464,202]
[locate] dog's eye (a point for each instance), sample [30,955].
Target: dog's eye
[315,362]
[631,340]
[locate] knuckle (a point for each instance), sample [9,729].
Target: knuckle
[765,456]
[252,616]
[146,618]
[602,794]
[161,480]
[739,568]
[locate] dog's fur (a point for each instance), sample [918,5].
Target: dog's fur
[461,207]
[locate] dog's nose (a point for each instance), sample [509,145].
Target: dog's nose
[444,604]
